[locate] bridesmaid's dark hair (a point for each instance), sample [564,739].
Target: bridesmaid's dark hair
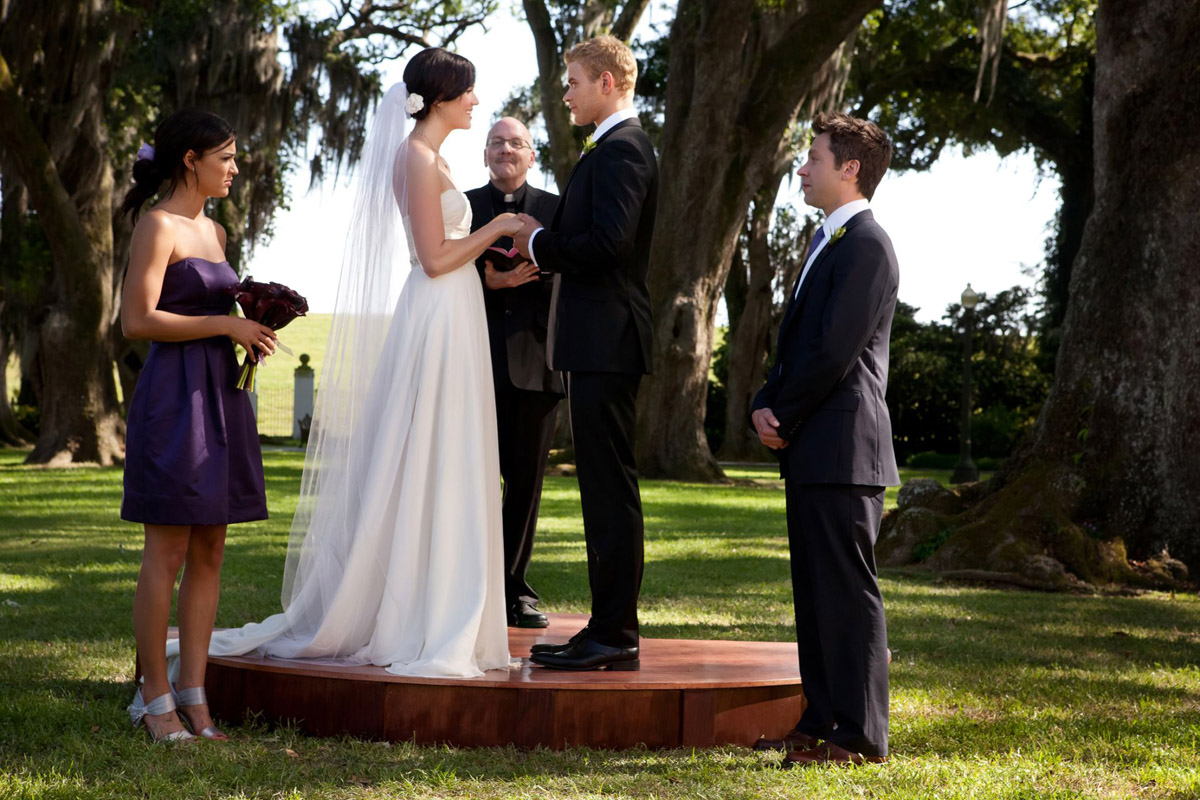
[186,129]
[437,75]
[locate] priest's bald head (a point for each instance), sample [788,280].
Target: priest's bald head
[508,154]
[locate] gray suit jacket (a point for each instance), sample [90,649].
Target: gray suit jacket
[828,384]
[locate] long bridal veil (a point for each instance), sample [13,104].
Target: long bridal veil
[374,264]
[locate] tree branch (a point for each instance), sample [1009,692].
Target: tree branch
[628,19]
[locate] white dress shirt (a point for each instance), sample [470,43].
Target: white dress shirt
[837,219]
[610,122]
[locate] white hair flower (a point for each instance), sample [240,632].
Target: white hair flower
[414,103]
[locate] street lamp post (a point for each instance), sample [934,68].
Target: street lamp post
[965,470]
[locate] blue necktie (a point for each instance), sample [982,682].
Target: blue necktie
[818,237]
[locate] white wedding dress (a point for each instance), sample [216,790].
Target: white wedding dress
[412,578]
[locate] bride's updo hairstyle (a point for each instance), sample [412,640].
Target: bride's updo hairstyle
[186,129]
[437,75]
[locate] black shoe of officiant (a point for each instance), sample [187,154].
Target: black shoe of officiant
[523,615]
[587,654]
[558,647]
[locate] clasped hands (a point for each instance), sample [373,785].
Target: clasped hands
[521,237]
[767,428]
[519,227]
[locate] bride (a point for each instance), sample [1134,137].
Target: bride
[395,557]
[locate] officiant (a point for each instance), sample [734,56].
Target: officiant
[527,391]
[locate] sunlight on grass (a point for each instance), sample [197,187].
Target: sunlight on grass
[995,693]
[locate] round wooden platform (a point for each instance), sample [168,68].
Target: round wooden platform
[687,694]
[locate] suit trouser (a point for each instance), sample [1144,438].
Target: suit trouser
[841,634]
[602,428]
[525,424]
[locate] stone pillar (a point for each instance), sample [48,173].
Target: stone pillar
[302,399]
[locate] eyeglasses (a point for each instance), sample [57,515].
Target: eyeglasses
[516,144]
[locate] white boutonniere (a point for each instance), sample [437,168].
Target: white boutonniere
[837,234]
[589,144]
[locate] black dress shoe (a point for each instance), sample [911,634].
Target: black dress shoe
[523,615]
[794,740]
[586,654]
[547,647]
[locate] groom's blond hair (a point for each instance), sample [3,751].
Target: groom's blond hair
[606,54]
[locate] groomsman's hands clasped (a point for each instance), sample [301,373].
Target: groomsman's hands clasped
[767,428]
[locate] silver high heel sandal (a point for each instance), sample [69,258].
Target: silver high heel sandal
[162,704]
[196,696]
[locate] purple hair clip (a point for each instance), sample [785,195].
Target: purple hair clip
[145,152]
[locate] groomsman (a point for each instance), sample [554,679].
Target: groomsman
[527,391]
[823,411]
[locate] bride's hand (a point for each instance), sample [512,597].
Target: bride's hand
[510,224]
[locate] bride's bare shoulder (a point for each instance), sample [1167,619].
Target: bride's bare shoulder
[419,154]
[416,168]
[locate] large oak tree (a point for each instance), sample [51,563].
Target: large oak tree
[1111,469]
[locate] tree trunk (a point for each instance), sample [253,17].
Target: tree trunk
[1075,165]
[66,171]
[555,114]
[12,219]
[749,343]
[740,74]
[12,434]
[1124,410]
[1112,466]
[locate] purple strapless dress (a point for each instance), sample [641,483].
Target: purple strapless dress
[191,442]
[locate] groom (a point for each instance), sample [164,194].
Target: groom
[823,411]
[598,247]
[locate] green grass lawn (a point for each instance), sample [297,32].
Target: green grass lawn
[995,693]
[304,335]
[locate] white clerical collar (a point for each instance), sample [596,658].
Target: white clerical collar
[614,119]
[843,214]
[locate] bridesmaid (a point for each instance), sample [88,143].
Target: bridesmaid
[192,460]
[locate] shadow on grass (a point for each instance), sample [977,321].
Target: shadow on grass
[981,674]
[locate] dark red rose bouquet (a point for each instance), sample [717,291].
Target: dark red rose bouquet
[270,304]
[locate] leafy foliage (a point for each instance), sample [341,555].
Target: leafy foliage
[914,71]
[925,377]
[915,67]
[296,81]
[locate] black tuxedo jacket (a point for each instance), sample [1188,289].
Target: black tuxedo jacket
[830,376]
[517,318]
[599,245]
